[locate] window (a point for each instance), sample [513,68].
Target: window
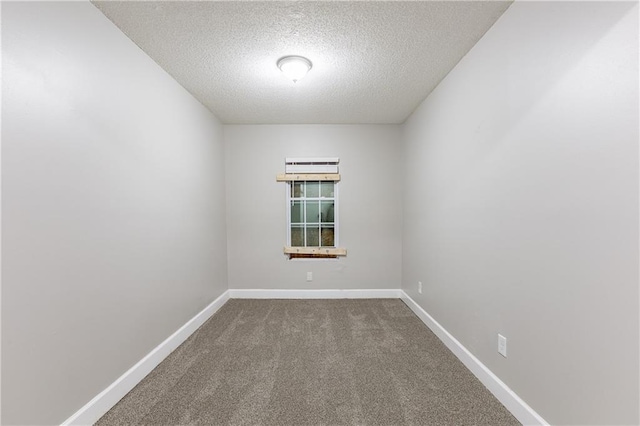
[312,201]
[312,214]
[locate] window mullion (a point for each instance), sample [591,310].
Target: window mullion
[289,206]
[335,215]
[304,215]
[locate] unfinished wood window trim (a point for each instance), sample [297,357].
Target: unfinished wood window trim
[316,251]
[291,177]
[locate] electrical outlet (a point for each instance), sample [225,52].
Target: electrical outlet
[420,287]
[502,345]
[309,276]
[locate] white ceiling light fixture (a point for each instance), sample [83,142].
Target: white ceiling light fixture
[294,67]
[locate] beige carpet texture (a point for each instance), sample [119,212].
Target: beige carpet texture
[310,362]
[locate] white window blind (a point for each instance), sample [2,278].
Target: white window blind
[311,165]
[307,169]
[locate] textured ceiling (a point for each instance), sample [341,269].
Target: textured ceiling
[373,62]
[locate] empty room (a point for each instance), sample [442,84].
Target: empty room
[320,213]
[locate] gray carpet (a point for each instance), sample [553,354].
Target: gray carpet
[310,362]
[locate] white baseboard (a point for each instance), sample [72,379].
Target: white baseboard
[315,294]
[520,409]
[106,399]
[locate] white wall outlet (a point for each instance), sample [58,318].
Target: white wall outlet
[420,287]
[502,345]
[309,276]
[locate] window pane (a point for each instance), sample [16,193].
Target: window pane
[297,189]
[328,236]
[297,236]
[326,208]
[313,236]
[296,212]
[326,189]
[313,211]
[313,189]
[312,219]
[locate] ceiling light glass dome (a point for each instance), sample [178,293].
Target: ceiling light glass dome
[294,67]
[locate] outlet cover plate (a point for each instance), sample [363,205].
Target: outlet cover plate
[502,345]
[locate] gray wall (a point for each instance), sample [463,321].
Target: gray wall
[520,212]
[521,206]
[112,208]
[369,205]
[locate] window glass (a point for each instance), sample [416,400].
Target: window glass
[312,189]
[326,211]
[327,236]
[312,217]
[313,211]
[297,236]
[313,236]
[296,211]
[297,190]
[326,189]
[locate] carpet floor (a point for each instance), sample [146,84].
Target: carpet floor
[310,362]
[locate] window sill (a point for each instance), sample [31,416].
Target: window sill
[314,252]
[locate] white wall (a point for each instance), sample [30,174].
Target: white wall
[113,208]
[521,206]
[369,205]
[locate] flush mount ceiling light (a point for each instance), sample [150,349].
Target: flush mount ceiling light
[294,67]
